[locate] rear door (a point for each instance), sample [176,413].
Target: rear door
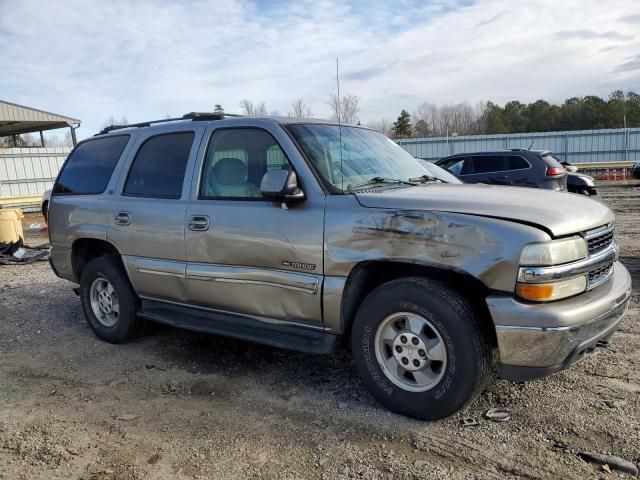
[146,219]
[247,254]
[490,168]
[521,171]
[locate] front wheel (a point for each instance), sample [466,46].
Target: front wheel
[420,349]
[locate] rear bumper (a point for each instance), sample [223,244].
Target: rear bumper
[61,262]
[535,340]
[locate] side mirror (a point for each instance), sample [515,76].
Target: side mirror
[281,185]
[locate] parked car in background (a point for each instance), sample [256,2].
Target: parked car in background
[517,167]
[579,182]
[635,170]
[294,232]
[438,173]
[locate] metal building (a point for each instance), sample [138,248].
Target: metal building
[580,146]
[26,172]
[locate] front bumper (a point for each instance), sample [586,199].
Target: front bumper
[535,340]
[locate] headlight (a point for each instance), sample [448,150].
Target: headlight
[546,292]
[555,252]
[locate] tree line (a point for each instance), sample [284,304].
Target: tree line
[577,113]
[620,109]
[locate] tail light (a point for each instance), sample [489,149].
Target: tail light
[554,171]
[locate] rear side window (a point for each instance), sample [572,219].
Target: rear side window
[486,164]
[159,167]
[89,167]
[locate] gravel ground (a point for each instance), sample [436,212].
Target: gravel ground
[175,404]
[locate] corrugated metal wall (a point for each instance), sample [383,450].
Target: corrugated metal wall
[580,146]
[29,171]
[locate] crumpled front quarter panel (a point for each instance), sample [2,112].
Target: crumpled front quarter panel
[486,248]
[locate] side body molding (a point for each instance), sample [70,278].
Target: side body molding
[254,276]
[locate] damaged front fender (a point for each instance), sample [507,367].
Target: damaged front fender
[485,248]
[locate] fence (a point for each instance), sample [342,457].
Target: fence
[25,174]
[579,146]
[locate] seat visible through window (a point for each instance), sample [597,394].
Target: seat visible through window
[229,179]
[236,161]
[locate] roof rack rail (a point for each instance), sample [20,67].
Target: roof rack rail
[209,115]
[187,116]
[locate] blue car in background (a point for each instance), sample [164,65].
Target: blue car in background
[518,168]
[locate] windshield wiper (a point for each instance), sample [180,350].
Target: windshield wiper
[378,180]
[424,179]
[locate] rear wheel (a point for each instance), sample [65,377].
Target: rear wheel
[110,305]
[420,348]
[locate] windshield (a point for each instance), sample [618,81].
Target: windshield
[367,156]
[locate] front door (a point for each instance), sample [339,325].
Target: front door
[146,217]
[247,254]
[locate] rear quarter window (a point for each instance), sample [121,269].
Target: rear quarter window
[89,167]
[551,161]
[517,163]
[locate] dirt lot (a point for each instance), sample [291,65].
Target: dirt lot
[175,404]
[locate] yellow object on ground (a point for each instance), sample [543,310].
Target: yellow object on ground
[11,226]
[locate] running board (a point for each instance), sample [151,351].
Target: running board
[238,326]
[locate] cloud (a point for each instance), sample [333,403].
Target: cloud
[630,64]
[365,73]
[632,19]
[147,59]
[592,35]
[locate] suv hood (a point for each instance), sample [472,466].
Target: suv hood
[558,213]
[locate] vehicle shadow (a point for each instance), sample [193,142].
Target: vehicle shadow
[204,354]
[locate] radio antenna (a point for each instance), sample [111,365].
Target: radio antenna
[339,111]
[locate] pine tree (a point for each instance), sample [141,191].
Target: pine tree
[402,126]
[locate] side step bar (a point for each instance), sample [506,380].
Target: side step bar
[238,326]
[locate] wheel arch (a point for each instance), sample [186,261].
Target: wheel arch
[368,275]
[83,250]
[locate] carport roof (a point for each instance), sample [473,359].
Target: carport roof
[16,119]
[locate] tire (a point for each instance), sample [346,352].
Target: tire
[585,192]
[456,377]
[111,326]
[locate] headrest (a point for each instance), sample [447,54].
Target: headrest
[230,171]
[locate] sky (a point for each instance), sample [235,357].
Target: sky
[146,59]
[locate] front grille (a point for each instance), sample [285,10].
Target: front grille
[599,238]
[596,277]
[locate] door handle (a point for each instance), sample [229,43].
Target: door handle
[198,223]
[123,218]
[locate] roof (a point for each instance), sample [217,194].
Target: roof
[498,151]
[224,118]
[16,119]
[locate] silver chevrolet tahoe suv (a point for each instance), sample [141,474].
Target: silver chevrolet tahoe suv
[296,233]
